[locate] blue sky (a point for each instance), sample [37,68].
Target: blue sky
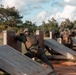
[43,10]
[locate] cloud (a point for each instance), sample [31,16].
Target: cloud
[24,5]
[42,16]
[40,1]
[61,10]
[55,3]
[68,12]
[17,3]
[37,7]
[70,2]
[67,0]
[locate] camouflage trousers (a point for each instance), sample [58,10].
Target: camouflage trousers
[40,55]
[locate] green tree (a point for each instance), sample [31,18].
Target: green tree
[45,28]
[9,18]
[66,25]
[74,27]
[53,25]
[28,24]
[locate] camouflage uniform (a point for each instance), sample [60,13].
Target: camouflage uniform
[34,51]
[66,40]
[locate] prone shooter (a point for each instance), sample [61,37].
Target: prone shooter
[32,46]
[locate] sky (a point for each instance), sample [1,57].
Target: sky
[38,11]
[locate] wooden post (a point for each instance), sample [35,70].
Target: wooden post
[39,35]
[51,36]
[9,39]
[59,40]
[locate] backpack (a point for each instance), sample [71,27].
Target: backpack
[31,41]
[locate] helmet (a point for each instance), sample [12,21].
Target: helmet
[26,29]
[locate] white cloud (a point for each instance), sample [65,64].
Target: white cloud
[68,12]
[55,10]
[70,2]
[17,3]
[39,1]
[67,0]
[42,16]
[24,6]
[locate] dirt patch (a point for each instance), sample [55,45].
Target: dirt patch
[61,68]
[65,68]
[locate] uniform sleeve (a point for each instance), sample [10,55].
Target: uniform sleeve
[21,38]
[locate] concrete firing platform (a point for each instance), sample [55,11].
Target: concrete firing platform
[60,48]
[13,62]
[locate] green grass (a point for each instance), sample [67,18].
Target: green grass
[23,49]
